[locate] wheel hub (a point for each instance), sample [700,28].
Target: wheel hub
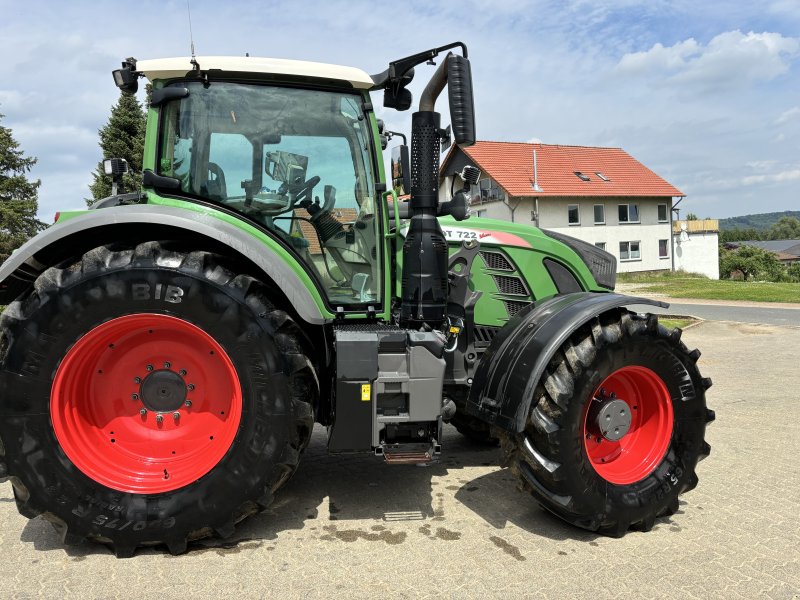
[163,391]
[613,419]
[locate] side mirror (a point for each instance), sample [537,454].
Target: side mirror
[401,170]
[462,106]
[458,207]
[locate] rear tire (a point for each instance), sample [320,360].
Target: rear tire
[85,440]
[569,465]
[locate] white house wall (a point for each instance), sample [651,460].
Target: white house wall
[698,254]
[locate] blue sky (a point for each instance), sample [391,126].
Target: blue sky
[707,94]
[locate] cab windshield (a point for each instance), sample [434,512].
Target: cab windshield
[296,161]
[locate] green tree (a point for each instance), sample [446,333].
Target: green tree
[787,228]
[19,197]
[740,235]
[793,272]
[752,263]
[121,137]
[691,217]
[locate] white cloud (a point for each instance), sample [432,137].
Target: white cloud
[730,59]
[789,115]
[780,177]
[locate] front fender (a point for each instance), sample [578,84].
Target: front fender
[22,267]
[504,383]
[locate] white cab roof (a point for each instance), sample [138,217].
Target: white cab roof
[169,68]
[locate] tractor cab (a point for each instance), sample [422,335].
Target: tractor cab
[295,159]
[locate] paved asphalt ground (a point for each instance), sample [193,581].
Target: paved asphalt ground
[355,528]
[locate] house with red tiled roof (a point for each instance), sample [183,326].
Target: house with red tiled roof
[603,196]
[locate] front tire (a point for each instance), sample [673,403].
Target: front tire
[616,426]
[151,395]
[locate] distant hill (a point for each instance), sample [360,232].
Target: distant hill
[761,222]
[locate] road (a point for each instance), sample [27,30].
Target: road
[351,527]
[766,315]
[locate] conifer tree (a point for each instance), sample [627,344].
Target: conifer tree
[121,137]
[18,195]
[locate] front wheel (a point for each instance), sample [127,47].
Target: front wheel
[150,395]
[616,426]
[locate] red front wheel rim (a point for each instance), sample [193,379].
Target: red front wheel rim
[146,403]
[647,437]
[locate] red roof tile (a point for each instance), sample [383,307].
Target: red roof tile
[511,166]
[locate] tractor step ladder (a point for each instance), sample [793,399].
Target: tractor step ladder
[409,454]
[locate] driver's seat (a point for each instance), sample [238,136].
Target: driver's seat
[215,184]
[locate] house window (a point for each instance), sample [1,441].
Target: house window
[602,176]
[662,213]
[574,215]
[629,251]
[581,176]
[601,245]
[628,213]
[490,190]
[599,214]
[663,248]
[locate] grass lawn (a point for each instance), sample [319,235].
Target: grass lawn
[689,285]
[672,323]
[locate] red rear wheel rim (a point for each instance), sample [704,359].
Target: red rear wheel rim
[641,449]
[146,403]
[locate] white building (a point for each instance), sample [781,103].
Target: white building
[600,195]
[696,247]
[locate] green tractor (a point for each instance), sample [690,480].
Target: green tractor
[165,355]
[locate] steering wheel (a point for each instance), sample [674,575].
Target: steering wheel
[303,193]
[301,198]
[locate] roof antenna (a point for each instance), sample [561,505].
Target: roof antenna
[193,62]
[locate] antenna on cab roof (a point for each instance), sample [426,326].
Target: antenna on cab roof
[191,35]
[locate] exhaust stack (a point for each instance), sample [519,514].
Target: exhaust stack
[425,254]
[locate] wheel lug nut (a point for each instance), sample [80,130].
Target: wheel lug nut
[143,411]
[159,418]
[167,364]
[188,403]
[190,387]
[176,415]
[149,367]
[182,372]
[137,380]
[135,396]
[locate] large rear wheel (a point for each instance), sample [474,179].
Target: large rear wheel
[151,395]
[616,426]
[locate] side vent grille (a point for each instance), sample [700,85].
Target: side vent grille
[484,335]
[513,306]
[496,261]
[510,285]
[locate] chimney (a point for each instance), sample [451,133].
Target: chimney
[536,187]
